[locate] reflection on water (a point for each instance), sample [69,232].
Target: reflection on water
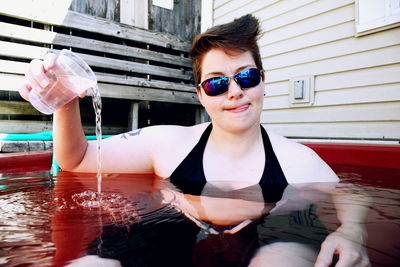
[26,208]
[141,220]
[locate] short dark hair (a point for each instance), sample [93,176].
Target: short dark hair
[240,35]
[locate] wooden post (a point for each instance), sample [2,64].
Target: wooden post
[133,116]
[201,115]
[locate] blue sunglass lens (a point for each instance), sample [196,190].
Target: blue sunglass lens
[216,86]
[248,78]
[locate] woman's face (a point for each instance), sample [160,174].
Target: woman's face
[236,110]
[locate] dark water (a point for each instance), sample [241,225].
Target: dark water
[141,220]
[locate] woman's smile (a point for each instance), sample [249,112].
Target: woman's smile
[238,109]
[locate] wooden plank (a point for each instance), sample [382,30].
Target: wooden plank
[29,52]
[364,60]
[122,65]
[26,33]
[151,94]
[17,108]
[9,70]
[39,12]
[23,51]
[24,126]
[85,22]
[385,111]
[389,130]
[47,37]
[118,79]
[91,130]
[12,82]
[335,49]
[335,17]
[122,50]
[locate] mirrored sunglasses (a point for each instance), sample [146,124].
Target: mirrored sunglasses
[246,79]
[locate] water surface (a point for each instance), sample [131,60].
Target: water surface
[144,221]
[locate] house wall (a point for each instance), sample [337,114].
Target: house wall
[183,20]
[107,9]
[357,79]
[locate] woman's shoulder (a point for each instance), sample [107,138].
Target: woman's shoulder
[169,145]
[163,139]
[300,163]
[169,133]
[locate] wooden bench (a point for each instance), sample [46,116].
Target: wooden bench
[130,63]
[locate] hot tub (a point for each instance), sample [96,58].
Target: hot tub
[49,221]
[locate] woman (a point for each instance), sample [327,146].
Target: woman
[233,150]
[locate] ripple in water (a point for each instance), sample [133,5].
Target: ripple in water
[113,206]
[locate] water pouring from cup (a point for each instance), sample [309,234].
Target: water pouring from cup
[69,76]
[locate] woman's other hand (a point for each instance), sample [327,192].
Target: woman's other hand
[349,242]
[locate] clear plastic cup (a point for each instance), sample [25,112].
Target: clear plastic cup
[69,77]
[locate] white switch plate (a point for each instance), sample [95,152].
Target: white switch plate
[298,90]
[301,91]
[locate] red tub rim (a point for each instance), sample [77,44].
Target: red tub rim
[370,155]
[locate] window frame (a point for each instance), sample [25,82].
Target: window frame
[389,19]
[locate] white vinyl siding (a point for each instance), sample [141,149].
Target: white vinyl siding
[357,79]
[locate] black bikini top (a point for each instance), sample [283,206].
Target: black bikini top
[190,178]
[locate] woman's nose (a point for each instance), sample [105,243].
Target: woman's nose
[234,90]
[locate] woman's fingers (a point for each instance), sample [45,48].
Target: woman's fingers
[351,253]
[48,61]
[36,72]
[24,91]
[36,76]
[353,258]
[33,84]
[325,256]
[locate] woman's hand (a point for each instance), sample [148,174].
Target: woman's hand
[36,77]
[349,242]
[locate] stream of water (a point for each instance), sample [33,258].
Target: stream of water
[97,109]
